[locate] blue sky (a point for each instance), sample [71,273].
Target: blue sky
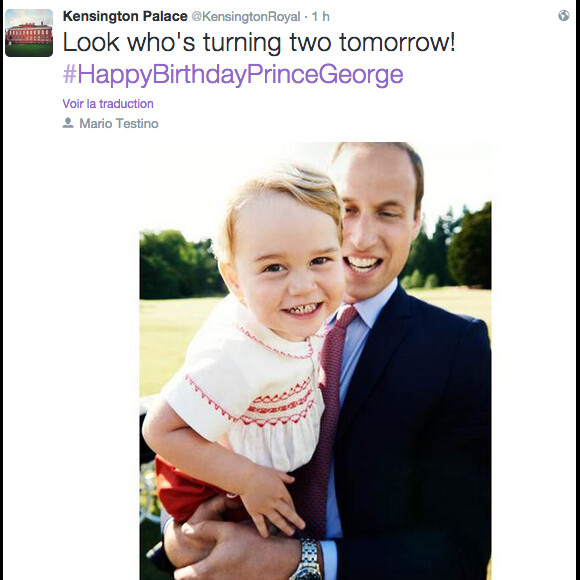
[20,16]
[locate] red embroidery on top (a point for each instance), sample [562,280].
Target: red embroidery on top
[250,335]
[281,408]
[294,418]
[262,422]
[210,401]
[287,394]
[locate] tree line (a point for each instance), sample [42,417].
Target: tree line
[458,252]
[172,267]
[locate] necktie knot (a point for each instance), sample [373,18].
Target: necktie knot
[346,315]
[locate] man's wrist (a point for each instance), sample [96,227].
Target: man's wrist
[289,557]
[311,563]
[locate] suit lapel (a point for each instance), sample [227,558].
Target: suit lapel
[388,331]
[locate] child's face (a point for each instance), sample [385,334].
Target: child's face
[287,266]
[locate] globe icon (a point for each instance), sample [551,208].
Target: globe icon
[563,15]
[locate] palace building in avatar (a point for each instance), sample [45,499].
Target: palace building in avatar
[29,34]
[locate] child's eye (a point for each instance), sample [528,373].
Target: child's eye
[349,209]
[319,261]
[273,268]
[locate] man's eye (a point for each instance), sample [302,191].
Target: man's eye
[388,214]
[273,268]
[320,261]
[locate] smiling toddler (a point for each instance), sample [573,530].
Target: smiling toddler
[245,408]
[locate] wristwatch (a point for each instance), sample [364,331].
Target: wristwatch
[308,569]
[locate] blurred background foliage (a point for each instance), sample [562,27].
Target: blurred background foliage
[458,252]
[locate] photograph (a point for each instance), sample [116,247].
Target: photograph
[304,325]
[28,33]
[315,326]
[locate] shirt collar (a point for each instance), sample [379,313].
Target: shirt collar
[370,308]
[249,325]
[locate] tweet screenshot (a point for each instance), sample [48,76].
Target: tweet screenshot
[209,224]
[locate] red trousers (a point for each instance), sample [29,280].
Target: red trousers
[181,494]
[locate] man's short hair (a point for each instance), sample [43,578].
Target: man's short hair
[413,156]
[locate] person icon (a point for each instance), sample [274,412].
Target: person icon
[67,124]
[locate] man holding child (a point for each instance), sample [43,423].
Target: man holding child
[407,492]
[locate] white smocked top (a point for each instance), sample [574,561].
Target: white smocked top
[242,380]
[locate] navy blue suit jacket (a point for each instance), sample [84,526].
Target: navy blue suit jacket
[412,453]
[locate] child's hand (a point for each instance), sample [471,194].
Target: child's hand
[265,495]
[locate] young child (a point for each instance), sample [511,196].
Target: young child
[245,407]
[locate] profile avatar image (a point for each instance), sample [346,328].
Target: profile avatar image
[28,32]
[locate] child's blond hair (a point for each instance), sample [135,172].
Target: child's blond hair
[305,185]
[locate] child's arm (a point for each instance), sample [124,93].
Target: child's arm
[261,489]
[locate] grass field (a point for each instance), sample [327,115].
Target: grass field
[28,50]
[476,303]
[167,326]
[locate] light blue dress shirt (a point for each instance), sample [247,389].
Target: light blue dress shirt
[357,334]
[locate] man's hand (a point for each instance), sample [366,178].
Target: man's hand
[182,548]
[239,552]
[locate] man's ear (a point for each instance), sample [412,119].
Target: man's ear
[417,222]
[228,273]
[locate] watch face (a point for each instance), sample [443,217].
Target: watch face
[307,574]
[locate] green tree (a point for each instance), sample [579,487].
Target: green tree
[417,279]
[172,267]
[445,228]
[432,281]
[469,255]
[429,254]
[420,254]
[212,280]
[156,278]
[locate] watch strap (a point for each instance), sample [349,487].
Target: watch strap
[309,559]
[309,551]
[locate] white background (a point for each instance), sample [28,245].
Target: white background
[74,201]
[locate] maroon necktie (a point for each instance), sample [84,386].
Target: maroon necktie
[311,486]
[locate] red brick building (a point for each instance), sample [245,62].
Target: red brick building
[29,34]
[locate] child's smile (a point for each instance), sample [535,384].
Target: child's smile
[287,265]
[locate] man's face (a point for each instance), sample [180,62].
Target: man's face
[378,189]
